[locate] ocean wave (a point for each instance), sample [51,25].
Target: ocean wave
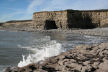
[40,52]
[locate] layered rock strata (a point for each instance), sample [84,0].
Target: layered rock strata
[69,19]
[66,19]
[82,58]
[42,20]
[21,24]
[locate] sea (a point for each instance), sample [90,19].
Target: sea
[19,48]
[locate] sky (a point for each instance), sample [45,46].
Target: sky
[23,9]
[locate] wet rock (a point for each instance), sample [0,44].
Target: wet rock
[11,69]
[83,58]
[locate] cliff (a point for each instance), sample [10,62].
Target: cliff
[21,24]
[66,19]
[1,24]
[88,18]
[50,20]
[69,19]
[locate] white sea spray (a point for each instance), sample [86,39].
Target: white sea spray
[51,48]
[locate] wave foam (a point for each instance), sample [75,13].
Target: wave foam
[51,48]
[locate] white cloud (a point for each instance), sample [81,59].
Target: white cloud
[10,16]
[66,4]
[33,4]
[77,4]
[90,4]
[31,9]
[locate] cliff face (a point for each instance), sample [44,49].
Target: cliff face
[79,19]
[87,19]
[50,20]
[98,18]
[66,19]
[18,24]
[1,24]
[71,19]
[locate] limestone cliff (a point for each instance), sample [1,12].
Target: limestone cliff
[44,20]
[69,19]
[99,18]
[18,24]
[66,19]
[1,24]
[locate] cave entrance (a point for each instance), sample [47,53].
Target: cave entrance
[49,24]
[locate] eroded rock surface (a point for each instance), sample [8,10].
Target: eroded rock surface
[17,24]
[68,19]
[83,58]
[64,19]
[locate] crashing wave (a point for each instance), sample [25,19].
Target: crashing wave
[48,49]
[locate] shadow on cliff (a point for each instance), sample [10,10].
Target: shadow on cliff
[50,24]
[1,24]
[79,20]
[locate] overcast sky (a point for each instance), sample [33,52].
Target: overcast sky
[23,9]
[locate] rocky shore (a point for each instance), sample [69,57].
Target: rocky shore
[95,31]
[83,58]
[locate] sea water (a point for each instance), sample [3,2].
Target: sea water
[23,48]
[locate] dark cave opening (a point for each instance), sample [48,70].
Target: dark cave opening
[50,24]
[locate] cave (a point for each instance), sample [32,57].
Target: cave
[49,24]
